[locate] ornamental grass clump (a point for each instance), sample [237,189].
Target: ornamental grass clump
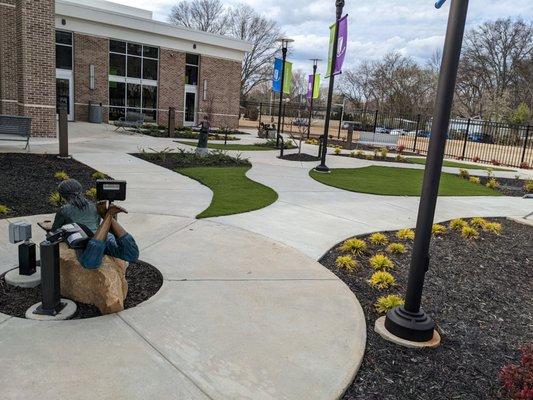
[528,187]
[463,173]
[381,262]
[493,227]
[354,246]
[478,222]
[382,280]
[91,193]
[386,303]
[4,209]
[61,175]
[396,248]
[405,234]
[469,233]
[55,199]
[492,183]
[345,262]
[457,224]
[438,229]
[475,180]
[378,238]
[360,154]
[98,175]
[337,150]
[383,152]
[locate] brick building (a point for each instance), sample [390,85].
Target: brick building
[74,52]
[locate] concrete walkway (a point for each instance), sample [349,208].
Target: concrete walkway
[245,311]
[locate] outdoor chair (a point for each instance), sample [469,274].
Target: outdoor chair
[132,120]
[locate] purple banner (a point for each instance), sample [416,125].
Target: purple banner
[341,44]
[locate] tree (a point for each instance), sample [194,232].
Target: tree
[204,15]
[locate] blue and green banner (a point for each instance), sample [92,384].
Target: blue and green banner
[287,80]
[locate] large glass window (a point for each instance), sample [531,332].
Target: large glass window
[191,69]
[63,50]
[133,74]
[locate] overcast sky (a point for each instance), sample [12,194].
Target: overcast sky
[412,27]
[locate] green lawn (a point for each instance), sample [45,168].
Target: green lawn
[230,146]
[454,164]
[233,191]
[397,182]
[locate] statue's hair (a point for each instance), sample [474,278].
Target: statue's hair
[72,191]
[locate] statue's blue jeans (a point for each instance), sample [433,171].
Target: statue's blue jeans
[123,247]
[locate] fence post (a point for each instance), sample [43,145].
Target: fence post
[416,132]
[466,139]
[171,122]
[375,120]
[525,146]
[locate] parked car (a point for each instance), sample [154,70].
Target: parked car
[398,132]
[480,137]
[380,129]
[424,134]
[300,121]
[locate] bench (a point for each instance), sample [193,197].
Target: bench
[131,120]
[15,129]
[378,139]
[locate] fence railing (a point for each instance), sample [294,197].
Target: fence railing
[467,139]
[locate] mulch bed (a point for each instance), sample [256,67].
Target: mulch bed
[187,159]
[144,280]
[509,186]
[478,292]
[28,180]
[299,157]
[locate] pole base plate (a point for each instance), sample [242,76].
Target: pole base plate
[380,329]
[322,169]
[67,310]
[416,327]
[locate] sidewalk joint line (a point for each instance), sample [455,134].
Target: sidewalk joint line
[251,279]
[169,235]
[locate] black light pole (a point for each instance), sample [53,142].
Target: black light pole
[410,322]
[284,44]
[322,167]
[315,64]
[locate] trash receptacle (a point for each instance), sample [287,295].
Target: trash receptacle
[95,112]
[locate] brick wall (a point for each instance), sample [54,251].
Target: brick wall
[90,50]
[223,91]
[8,58]
[171,84]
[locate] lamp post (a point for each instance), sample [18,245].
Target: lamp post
[284,45]
[409,321]
[322,167]
[315,65]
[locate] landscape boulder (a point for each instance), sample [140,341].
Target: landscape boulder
[105,287]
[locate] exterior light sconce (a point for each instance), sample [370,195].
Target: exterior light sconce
[91,77]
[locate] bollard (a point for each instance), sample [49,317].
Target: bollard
[171,122]
[27,259]
[63,133]
[50,283]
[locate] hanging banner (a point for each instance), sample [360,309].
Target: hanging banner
[313,90]
[341,46]
[287,80]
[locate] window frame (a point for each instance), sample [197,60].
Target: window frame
[70,46]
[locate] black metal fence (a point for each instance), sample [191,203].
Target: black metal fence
[468,139]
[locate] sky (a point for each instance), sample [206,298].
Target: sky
[412,27]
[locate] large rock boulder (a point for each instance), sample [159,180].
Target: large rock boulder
[105,287]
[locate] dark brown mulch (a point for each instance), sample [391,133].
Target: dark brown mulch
[299,157]
[478,292]
[509,186]
[144,280]
[28,180]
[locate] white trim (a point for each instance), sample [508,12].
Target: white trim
[36,105]
[219,115]
[8,101]
[135,81]
[8,5]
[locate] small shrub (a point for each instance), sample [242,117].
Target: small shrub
[495,162]
[524,165]
[354,246]
[352,154]
[369,157]
[401,149]
[61,175]
[517,379]
[382,280]
[476,159]
[378,238]
[469,233]
[457,224]
[381,262]
[475,180]
[405,234]
[383,152]
[492,183]
[438,229]
[528,186]
[397,248]
[400,158]
[490,173]
[55,199]
[386,303]
[478,222]
[360,154]
[4,209]
[91,193]
[98,175]
[493,227]
[463,173]
[337,150]
[311,141]
[345,262]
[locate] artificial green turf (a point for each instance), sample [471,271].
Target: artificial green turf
[453,164]
[233,191]
[397,182]
[230,146]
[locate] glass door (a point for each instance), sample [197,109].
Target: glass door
[190,109]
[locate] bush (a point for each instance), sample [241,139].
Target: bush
[405,234]
[354,246]
[386,303]
[352,154]
[493,227]
[98,175]
[383,152]
[463,173]
[517,379]
[61,175]
[495,162]
[360,154]
[457,224]
[369,157]
[345,262]
[438,229]
[469,233]
[528,186]
[311,141]
[55,199]
[4,209]
[524,165]
[337,150]
[91,193]
[397,248]
[378,238]
[475,180]
[382,280]
[401,149]
[400,158]
[381,262]
[478,222]
[476,159]
[492,183]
